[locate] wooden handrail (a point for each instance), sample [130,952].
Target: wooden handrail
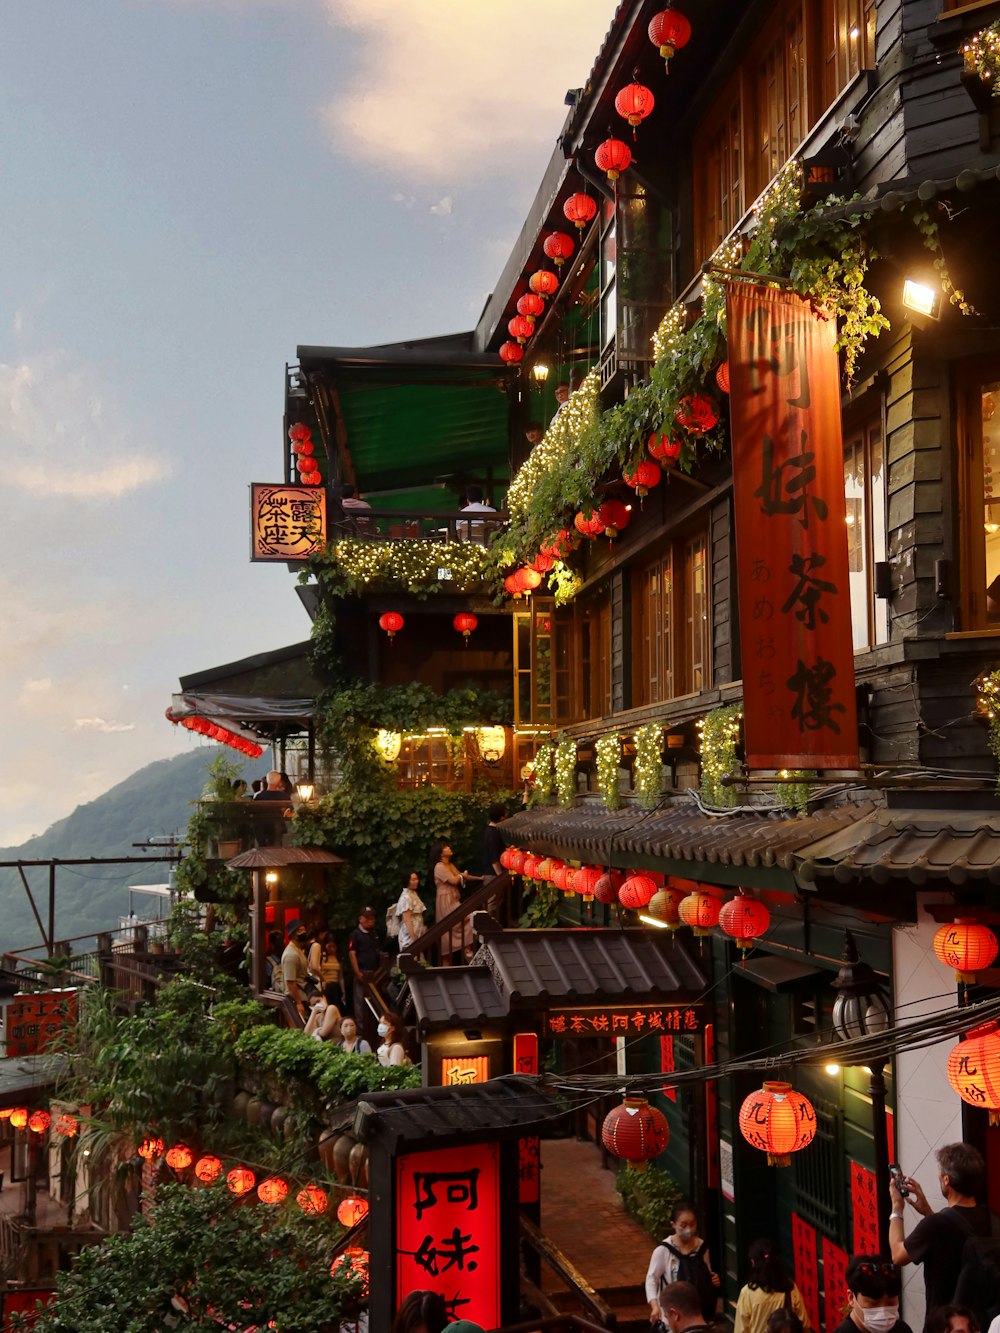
[499,885]
[550,1253]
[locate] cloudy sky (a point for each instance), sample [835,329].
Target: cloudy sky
[191,189]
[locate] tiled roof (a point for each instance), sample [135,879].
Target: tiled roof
[408,1119]
[262,858]
[451,996]
[944,846]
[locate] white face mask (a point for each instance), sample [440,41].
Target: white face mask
[382,1029]
[880,1318]
[685,1233]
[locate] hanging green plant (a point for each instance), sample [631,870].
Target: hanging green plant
[608,752]
[352,566]
[565,768]
[981,53]
[544,775]
[795,795]
[647,770]
[988,708]
[719,733]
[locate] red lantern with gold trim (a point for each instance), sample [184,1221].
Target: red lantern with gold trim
[273,1190]
[208,1169]
[240,1180]
[635,1132]
[613,157]
[351,1210]
[558,247]
[179,1157]
[299,432]
[644,476]
[512,586]
[580,209]
[744,920]
[637,891]
[530,305]
[585,882]
[967,946]
[544,283]
[634,103]
[542,564]
[588,527]
[507,858]
[150,1148]
[974,1069]
[312,1199]
[664,449]
[779,1121]
[700,911]
[606,888]
[527,579]
[615,517]
[465,622]
[19,1117]
[521,328]
[562,877]
[669,30]
[511,352]
[529,869]
[392,622]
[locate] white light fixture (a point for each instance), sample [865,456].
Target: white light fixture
[832,1070]
[388,744]
[539,372]
[271,877]
[304,791]
[921,299]
[653,921]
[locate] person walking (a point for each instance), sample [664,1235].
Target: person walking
[449,882]
[410,912]
[682,1309]
[294,967]
[769,1287]
[682,1259]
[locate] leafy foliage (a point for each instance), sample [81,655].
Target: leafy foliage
[542,909]
[795,795]
[647,773]
[319,1073]
[649,1196]
[608,755]
[720,734]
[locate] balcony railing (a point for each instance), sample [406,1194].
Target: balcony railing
[434,525]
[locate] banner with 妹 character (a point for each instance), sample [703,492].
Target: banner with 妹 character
[791,532]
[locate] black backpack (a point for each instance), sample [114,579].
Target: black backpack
[692,1268]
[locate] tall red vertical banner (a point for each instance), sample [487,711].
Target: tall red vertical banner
[791,532]
[806,1266]
[834,1284]
[528,1147]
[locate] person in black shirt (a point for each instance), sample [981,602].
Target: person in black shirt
[365,955]
[938,1240]
[681,1307]
[493,843]
[873,1286]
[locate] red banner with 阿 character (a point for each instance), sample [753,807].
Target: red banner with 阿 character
[791,533]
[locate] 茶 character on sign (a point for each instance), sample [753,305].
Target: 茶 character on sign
[808,589]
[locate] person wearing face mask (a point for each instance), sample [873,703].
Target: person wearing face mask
[769,1288]
[681,1258]
[873,1287]
[391,1051]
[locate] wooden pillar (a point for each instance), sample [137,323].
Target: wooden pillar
[258,933]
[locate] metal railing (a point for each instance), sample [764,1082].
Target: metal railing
[437,525]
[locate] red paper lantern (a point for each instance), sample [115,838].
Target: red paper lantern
[67,1125]
[19,1117]
[585,880]
[465,622]
[542,563]
[299,431]
[606,888]
[543,871]
[664,448]
[208,1169]
[351,1210]
[544,283]
[588,527]
[635,1132]
[517,860]
[779,1121]
[580,209]
[529,870]
[507,858]
[700,910]
[240,1180]
[511,352]
[644,477]
[974,1069]
[513,586]
[613,157]
[722,376]
[558,247]
[304,447]
[696,413]
[559,546]
[527,579]
[312,479]
[520,328]
[615,516]
[669,31]
[39,1121]
[665,905]
[530,306]
[356,1262]
[562,877]
[391,622]
[150,1148]
[744,920]
[637,891]
[312,1199]
[179,1156]
[966,946]
[634,103]
[273,1190]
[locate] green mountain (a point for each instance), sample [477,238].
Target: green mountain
[153,803]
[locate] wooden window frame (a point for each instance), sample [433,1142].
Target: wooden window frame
[971,376]
[674,641]
[863,428]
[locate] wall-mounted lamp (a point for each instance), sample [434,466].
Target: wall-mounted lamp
[921,299]
[304,791]
[271,877]
[539,372]
[388,744]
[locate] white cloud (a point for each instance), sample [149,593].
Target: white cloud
[443,208]
[99,724]
[31,689]
[62,433]
[447,88]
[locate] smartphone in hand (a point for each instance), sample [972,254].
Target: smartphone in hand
[897,1179]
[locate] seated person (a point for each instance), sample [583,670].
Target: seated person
[324,1020]
[473,532]
[277,787]
[349,1039]
[355,509]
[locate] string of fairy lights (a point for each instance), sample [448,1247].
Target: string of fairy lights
[580,412]
[982,56]
[415,564]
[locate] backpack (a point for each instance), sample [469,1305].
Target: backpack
[392,922]
[278,978]
[692,1268]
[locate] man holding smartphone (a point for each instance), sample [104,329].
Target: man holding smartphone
[937,1241]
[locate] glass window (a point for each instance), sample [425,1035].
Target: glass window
[671,611]
[989,398]
[867,537]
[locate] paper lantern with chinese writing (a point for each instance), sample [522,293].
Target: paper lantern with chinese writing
[559,546]
[669,30]
[6,1112]
[272,1190]
[588,527]
[966,946]
[240,1180]
[354,1263]
[974,1069]
[558,247]
[530,305]
[585,882]
[312,1199]
[744,920]
[644,476]
[544,871]
[465,622]
[509,856]
[562,877]
[665,905]
[613,157]
[615,516]
[635,1132]
[351,1210]
[722,377]
[700,911]
[512,586]
[606,888]
[150,1148]
[391,622]
[179,1156]
[544,283]
[636,891]
[208,1169]
[634,103]
[511,352]
[779,1121]
[39,1121]
[663,448]
[580,209]
[696,413]
[67,1125]
[520,328]
[529,870]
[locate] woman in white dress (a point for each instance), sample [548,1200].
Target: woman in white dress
[410,912]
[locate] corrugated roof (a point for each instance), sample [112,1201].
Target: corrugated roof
[401,1120]
[453,996]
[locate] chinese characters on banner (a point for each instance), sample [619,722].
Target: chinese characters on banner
[834,1283]
[33,1020]
[624,1020]
[806,1267]
[864,1206]
[528,1153]
[668,1066]
[791,534]
[448,1229]
[286,522]
[456,1072]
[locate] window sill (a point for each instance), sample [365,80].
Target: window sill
[974,634]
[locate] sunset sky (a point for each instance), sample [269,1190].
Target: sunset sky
[191,189]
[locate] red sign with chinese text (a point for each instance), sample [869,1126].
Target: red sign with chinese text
[33,1020]
[528,1149]
[806,1266]
[834,1283]
[287,523]
[668,1065]
[448,1229]
[456,1071]
[623,1020]
[864,1207]
[25,1301]
[791,534]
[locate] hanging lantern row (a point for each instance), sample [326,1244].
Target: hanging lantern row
[664,449]
[39,1121]
[558,247]
[544,283]
[967,946]
[669,31]
[580,209]
[223,735]
[644,476]
[304,449]
[511,352]
[613,157]
[523,582]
